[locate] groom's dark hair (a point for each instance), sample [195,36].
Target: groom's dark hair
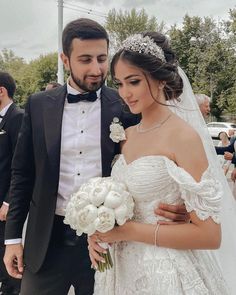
[84,29]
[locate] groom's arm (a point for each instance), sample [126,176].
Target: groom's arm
[176,213]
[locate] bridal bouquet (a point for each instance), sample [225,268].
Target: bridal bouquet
[99,205]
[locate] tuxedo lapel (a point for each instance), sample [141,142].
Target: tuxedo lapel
[52,116]
[7,115]
[110,108]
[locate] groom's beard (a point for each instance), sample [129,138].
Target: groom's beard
[87,87]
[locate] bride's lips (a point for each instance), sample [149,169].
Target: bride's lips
[132,103]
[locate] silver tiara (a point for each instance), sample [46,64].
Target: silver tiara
[144,45]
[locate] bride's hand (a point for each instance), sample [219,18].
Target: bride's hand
[94,250]
[117,234]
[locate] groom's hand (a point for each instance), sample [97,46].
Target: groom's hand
[13,260]
[176,213]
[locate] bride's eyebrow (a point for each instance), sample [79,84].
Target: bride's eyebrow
[131,76]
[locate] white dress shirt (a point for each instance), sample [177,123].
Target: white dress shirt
[80,147]
[4,110]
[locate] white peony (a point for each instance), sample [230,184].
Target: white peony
[113,200]
[98,194]
[86,216]
[105,220]
[121,214]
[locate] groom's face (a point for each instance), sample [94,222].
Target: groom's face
[87,63]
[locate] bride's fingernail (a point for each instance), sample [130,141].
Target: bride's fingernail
[103,261]
[104,252]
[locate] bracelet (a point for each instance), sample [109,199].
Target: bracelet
[156,235]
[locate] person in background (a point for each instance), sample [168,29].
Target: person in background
[224,141]
[10,122]
[204,104]
[52,85]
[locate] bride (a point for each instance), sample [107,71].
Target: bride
[162,160]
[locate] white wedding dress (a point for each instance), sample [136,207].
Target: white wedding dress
[143,269]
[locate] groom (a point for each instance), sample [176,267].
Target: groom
[63,142]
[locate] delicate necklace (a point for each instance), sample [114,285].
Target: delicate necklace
[139,130]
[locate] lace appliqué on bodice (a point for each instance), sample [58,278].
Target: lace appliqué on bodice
[143,269]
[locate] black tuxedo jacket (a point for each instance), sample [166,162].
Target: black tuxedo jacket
[35,169]
[9,129]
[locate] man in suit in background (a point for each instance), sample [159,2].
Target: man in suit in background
[10,122]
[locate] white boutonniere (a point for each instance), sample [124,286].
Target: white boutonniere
[2,131]
[117,130]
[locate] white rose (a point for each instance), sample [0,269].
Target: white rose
[90,229]
[71,218]
[79,200]
[113,200]
[121,214]
[97,195]
[95,181]
[86,187]
[117,132]
[86,216]
[105,220]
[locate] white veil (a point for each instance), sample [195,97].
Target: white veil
[187,108]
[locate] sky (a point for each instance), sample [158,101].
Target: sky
[29,27]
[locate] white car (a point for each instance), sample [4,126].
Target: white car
[215,128]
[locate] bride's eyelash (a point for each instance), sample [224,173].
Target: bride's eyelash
[134,82]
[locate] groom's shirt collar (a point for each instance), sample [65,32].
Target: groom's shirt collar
[4,110]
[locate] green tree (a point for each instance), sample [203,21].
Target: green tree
[205,54]
[14,65]
[120,24]
[37,74]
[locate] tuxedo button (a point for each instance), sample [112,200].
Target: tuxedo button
[80,152]
[83,112]
[78,174]
[82,131]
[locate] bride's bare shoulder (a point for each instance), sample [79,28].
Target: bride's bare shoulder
[184,132]
[130,130]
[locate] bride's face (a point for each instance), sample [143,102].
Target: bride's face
[136,89]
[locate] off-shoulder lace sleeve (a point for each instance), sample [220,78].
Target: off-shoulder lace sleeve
[204,197]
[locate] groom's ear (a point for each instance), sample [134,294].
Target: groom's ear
[66,61]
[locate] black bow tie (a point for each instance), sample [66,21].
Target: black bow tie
[1,116]
[89,96]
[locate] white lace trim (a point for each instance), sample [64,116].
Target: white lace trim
[204,197]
